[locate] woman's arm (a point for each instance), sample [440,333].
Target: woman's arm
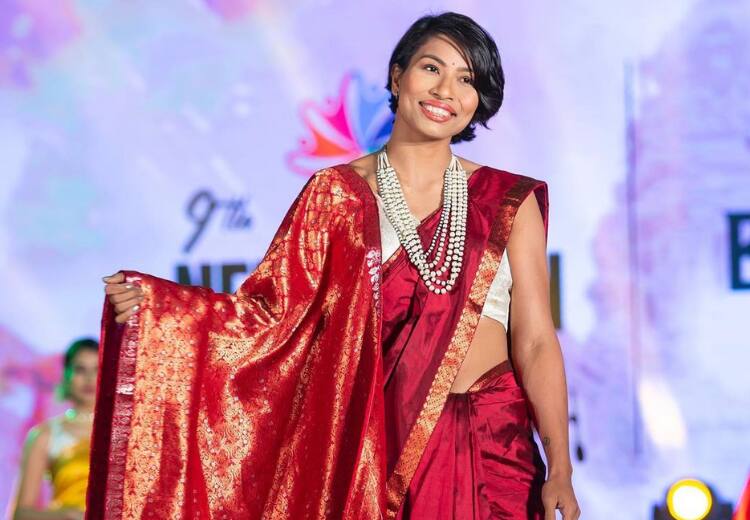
[33,467]
[536,354]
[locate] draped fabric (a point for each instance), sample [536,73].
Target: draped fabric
[314,390]
[481,461]
[262,404]
[425,337]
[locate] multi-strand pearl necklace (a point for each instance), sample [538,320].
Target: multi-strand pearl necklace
[438,272]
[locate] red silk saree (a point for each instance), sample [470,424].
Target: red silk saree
[468,455]
[315,389]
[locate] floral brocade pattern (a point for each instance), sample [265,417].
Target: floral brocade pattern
[373,265]
[243,406]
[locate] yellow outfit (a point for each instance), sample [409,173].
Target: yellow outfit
[69,467]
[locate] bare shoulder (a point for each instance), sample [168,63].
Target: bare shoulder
[37,440]
[469,166]
[39,433]
[365,167]
[528,224]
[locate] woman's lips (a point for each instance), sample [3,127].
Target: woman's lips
[435,117]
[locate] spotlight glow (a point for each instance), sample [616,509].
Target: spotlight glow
[689,499]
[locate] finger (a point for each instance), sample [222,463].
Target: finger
[125,296]
[118,277]
[121,288]
[128,304]
[124,316]
[570,511]
[549,510]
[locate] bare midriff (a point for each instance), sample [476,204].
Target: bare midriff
[488,348]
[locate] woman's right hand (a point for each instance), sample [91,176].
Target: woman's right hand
[125,297]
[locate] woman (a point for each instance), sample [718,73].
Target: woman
[331,386]
[60,447]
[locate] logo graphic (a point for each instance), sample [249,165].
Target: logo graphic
[358,122]
[206,210]
[204,207]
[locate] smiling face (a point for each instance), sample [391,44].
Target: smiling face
[436,95]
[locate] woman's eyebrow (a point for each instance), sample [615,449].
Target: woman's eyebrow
[441,62]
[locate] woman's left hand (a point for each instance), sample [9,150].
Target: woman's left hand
[557,493]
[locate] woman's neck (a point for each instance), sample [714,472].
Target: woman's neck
[418,163]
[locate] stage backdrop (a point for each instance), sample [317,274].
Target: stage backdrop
[170,137]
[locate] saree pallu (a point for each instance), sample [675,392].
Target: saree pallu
[456,456]
[262,404]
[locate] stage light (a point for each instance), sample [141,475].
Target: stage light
[689,499]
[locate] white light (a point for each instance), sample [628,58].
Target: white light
[661,413]
[689,499]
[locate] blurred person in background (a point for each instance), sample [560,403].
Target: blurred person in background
[59,448]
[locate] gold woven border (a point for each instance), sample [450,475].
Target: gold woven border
[420,432]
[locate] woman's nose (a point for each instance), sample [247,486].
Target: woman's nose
[443,89]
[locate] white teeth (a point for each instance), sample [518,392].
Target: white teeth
[437,111]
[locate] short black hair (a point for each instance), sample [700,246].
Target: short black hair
[479,50]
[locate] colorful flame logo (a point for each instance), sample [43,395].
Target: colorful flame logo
[357,123]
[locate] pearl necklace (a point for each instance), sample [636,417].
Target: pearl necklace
[438,272]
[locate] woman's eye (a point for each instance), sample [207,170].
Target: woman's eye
[431,67]
[467,79]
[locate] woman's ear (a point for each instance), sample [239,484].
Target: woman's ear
[395,77]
